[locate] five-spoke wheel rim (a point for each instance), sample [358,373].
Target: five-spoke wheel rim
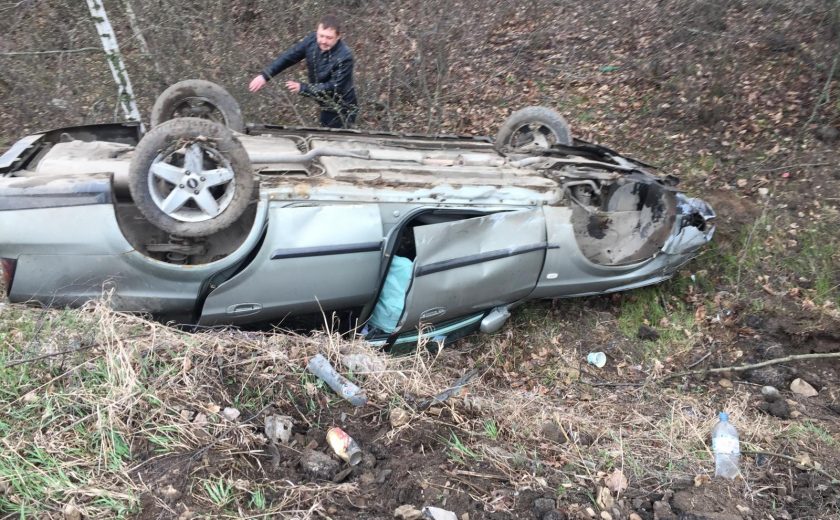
[191,184]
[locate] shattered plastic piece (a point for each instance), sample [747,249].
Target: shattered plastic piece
[320,367]
[598,359]
[362,363]
[344,446]
[436,513]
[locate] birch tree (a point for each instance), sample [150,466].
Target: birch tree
[108,37]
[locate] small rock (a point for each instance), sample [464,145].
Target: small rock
[770,393]
[801,387]
[231,414]
[606,516]
[770,376]
[398,417]
[407,512]
[200,420]
[318,465]
[71,512]
[778,408]
[743,509]
[30,397]
[342,475]
[725,383]
[543,505]
[590,512]
[647,333]
[383,476]
[186,515]
[634,516]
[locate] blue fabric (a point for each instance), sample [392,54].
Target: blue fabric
[389,307]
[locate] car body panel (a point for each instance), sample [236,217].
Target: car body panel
[313,258]
[473,264]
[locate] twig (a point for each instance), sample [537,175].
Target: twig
[791,166]
[823,99]
[800,357]
[786,457]
[699,360]
[57,51]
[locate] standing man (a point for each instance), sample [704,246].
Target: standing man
[329,63]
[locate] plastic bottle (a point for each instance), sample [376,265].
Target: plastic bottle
[726,448]
[322,368]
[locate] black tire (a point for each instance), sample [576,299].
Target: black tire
[533,128]
[191,177]
[200,99]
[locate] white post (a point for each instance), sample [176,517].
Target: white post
[112,54]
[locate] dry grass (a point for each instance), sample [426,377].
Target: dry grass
[103,425]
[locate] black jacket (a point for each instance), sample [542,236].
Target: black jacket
[330,72]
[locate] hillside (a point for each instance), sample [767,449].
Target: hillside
[107,415]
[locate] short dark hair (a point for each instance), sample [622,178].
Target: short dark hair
[330,21]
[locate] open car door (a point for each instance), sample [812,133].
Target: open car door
[471,265]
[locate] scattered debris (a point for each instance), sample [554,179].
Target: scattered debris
[398,417]
[801,387]
[436,513]
[598,359]
[407,512]
[321,368]
[344,446]
[773,403]
[278,428]
[318,465]
[231,414]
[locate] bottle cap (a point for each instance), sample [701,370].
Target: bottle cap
[723,416]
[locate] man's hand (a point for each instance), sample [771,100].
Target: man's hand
[257,83]
[293,86]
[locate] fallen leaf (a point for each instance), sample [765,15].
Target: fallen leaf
[616,481]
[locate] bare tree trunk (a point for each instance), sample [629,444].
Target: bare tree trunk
[108,37]
[138,35]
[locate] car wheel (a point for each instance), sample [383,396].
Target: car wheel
[191,177]
[200,99]
[533,128]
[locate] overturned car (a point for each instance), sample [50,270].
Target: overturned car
[203,221]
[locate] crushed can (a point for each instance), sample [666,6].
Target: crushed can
[344,446]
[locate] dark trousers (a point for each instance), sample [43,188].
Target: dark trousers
[340,119]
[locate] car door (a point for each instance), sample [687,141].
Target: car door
[473,264]
[313,259]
